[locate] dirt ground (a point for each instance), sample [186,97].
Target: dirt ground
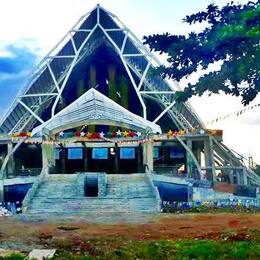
[233,227]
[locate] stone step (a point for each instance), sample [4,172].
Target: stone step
[124,193]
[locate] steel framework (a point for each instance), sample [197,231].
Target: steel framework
[50,78]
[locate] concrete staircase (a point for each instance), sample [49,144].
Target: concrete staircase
[128,193]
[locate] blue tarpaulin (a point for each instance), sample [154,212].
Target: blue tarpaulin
[127,153]
[172,191]
[100,153]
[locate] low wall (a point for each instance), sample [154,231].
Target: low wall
[170,179]
[202,194]
[101,178]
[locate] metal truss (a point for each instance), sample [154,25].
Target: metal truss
[34,103]
[59,84]
[39,100]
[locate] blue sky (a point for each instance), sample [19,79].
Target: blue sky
[29,29]
[15,64]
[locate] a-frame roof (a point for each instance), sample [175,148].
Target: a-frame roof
[48,81]
[96,109]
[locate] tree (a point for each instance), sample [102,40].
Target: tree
[231,36]
[256,169]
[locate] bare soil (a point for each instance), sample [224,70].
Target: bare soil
[232,227]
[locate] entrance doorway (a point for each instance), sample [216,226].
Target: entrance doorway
[112,160]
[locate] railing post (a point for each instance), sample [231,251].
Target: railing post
[244,176]
[209,159]
[148,156]
[189,160]
[11,163]
[1,189]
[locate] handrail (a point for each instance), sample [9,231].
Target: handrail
[155,191]
[32,191]
[6,160]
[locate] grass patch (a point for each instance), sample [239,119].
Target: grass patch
[160,250]
[168,249]
[15,256]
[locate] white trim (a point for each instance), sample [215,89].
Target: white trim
[53,78]
[73,44]
[2,176]
[61,57]
[164,112]
[80,30]
[124,41]
[157,92]
[27,108]
[128,72]
[98,14]
[70,70]
[115,30]
[38,95]
[144,76]
[191,154]
[134,55]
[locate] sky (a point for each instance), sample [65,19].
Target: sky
[30,28]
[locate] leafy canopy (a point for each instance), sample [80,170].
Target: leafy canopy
[232,36]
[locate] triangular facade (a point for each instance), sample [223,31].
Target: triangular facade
[39,100]
[101,52]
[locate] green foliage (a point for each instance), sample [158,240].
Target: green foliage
[257,169]
[168,249]
[232,36]
[163,249]
[64,255]
[15,256]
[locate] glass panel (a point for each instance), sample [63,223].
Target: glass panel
[75,153]
[100,153]
[127,153]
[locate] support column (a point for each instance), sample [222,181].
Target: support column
[1,190]
[197,153]
[45,157]
[164,153]
[244,177]
[189,160]
[117,166]
[11,163]
[231,176]
[63,160]
[209,159]
[148,156]
[139,159]
[85,159]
